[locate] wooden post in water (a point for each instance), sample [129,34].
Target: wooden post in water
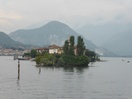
[39,70]
[18,70]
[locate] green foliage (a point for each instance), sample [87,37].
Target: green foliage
[46,60]
[26,54]
[33,53]
[60,62]
[75,60]
[66,47]
[38,59]
[71,45]
[80,46]
[68,58]
[82,60]
[91,54]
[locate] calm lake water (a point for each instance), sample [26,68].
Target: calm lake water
[101,80]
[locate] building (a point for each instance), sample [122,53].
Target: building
[41,50]
[55,49]
[52,49]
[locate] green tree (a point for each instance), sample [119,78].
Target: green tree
[38,59]
[33,53]
[70,60]
[80,46]
[46,60]
[91,54]
[71,45]
[26,54]
[60,62]
[66,47]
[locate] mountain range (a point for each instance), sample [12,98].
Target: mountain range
[99,34]
[53,32]
[7,42]
[120,43]
[116,37]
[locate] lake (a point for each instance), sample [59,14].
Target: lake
[101,80]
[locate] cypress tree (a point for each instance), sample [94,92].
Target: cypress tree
[71,45]
[66,47]
[80,46]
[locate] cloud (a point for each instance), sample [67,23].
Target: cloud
[22,13]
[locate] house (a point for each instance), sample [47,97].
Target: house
[41,50]
[55,49]
[52,49]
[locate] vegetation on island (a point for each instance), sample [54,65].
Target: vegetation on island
[72,55]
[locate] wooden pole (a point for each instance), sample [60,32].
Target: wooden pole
[18,70]
[39,70]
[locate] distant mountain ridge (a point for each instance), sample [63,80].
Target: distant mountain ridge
[120,43]
[7,42]
[53,32]
[100,33]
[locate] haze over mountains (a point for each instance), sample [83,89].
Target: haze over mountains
[7,42]
[99,34]
[53,32]
[56,32]
[121,43]
[116,37]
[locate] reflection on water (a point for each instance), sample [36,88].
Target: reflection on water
[65,69]
[72,69]
[102,80]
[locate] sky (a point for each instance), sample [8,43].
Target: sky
[19,14]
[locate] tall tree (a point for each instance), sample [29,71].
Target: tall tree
[33,53]
[80,46]
[66,47]
[71,45]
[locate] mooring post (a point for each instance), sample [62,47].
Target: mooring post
[39,70]
[18,69]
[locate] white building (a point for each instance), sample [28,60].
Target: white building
[55,49]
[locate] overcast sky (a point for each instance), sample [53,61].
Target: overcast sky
[19,14]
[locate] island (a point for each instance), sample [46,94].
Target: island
[67,55]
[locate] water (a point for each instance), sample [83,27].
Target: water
[102,80]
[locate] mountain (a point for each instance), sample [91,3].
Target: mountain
[120,43]
[53,32]
[7,42]
[100,33]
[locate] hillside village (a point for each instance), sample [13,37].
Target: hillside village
[11,52]
[51,49]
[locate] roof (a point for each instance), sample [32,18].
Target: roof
[54,46]
[42,49]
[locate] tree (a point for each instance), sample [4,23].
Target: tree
[66,47]
[91,54]
[71,46]
[33,53]
[80,46]
[38,59]
[46,60]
